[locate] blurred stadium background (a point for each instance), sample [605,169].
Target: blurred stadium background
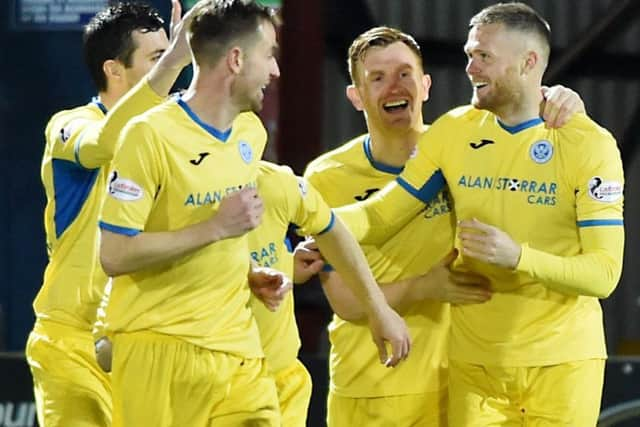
[596,51]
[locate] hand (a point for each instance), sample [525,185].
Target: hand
[269,286]
[559,105]
[238,213]
[387,326]
[456,287]
[307,261]
[488,244]
[178,52]
[104,353]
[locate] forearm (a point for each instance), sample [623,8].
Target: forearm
[342,251]
[164,74]
[344,303]
[381,216]
[595,272]
[123,254]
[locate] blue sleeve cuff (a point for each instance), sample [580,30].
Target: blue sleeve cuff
[429,190]
[330,226]
[119,230]
[600,222]
[327,268]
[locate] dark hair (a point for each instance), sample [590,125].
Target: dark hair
[108,36]
[519,17]
[223,21]
[378,37]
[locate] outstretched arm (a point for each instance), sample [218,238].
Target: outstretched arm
[440,283]
[344,253]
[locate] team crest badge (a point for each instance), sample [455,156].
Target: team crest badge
[541,151]
[245,151]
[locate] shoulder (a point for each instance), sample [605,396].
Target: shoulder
[349,154]
[66,122]
[462,114]
[277,183]
[582,132]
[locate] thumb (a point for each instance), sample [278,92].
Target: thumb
[449,258]
[315,266]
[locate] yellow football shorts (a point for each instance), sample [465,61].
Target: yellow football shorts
[294,393]
[70,389]
[163,381]
[559,395]
[416,410]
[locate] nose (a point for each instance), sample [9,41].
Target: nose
[275,70]
[471,67]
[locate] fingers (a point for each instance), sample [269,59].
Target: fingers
[176,13]
[463,294]
[273,297]
[399,351]
[307,255]
[467,278]
[475,225]
[560,105]
[382,350]
[449,258]
[315,267]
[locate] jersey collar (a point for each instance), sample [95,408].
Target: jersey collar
[382,167]
[520,127]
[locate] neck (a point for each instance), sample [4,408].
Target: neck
[210,99]
[392,147]
[525,107]
[110,97]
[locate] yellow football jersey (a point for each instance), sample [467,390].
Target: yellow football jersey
[171,171]
[288,200]
[80,143]
[344,176]
[540,186]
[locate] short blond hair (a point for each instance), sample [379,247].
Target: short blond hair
[378,37]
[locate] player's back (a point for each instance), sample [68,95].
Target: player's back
[71,288]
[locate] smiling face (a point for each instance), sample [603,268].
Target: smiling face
[391,86]
[258,69]
[494,67]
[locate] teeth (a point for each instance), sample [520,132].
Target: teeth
[396,103]
[480,85]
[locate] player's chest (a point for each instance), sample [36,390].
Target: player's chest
[201,175]
[524,170]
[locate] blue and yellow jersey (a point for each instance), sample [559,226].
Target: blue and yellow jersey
[80,143]
[172,170]
[544,187]
[344,176]
[288,200]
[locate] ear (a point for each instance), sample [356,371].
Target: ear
[354,97]
[426,86]
[113,70]
[235,59]
[530,62]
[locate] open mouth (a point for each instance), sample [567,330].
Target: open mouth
[395,106]
[479,85]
